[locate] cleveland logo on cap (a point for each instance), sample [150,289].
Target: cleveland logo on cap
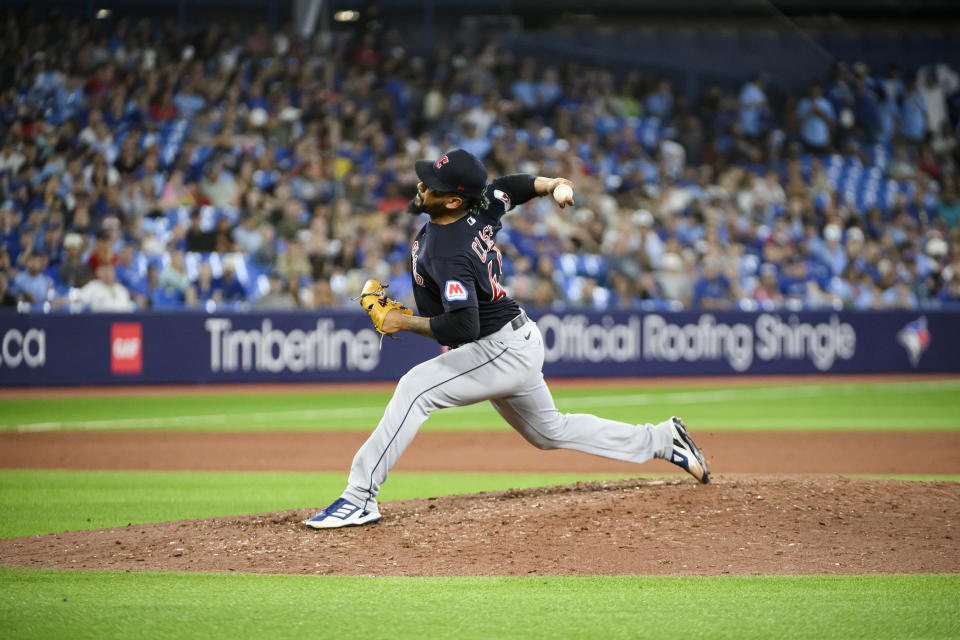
[457,171]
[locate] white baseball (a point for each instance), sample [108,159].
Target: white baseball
[562,193]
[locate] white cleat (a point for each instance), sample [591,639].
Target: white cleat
[341,513]
[685,453]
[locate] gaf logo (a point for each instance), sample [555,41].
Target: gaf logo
[126,353]
[29,348]
[454,290]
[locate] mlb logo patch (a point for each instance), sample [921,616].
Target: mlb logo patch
[126,348]
[454,290]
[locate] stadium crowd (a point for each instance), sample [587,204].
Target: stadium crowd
[142,167]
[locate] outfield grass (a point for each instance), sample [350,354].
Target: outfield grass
[49,604]
[850,406]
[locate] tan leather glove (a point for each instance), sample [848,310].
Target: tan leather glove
[377,305]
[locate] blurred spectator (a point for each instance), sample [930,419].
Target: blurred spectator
[176,193]
[9,225]
[892,83]
[659,103]
[648,289]
[218,186]
[889,117]
[934,99]
[104,293]
[753,107]
[74,272]
[586,293]
[277,297]
[948,209]
[102,252]
[205,289]
[713,290]
[174,276]
[293,219]
[231,288]
[222,235]
[131,276]
[401,285]
[524,88]
[32,284]
[7,299]
[914,124]
[817,116]
[839,93]
[247,235]
[866,104]
[831,252]
[321,296]
[951,291]
[673,281]
[899,296]
[197,238]
[865,294]
[266,254]
[901,168]
[767,292]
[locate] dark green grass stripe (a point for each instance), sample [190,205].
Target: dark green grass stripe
[46,604]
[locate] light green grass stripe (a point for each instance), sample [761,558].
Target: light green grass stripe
[899,406]
[911,477]
[36,502]
[45,604]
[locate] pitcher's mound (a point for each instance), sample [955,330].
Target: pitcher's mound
[740,525]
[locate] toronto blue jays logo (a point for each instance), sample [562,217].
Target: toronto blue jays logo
[915,338]
[442,161]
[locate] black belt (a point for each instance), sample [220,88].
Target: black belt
[519,321]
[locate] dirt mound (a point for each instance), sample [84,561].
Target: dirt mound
[737,525]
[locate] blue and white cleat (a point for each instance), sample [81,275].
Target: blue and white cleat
[341,514]
[685,454]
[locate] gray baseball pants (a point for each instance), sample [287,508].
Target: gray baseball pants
[506,369]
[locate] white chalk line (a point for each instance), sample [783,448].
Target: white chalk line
[617,400]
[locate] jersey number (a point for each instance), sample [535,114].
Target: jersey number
[483,246]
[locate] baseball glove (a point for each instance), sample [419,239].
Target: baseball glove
[377,305]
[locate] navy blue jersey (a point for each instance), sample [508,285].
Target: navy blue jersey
[458,265]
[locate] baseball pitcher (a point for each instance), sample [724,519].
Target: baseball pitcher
[496,351]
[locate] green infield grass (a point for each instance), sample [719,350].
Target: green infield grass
[36,502]
[50,604]
[888,405]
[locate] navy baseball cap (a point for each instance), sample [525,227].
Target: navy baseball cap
[457,171]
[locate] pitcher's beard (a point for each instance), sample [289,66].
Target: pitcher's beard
[415,206]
